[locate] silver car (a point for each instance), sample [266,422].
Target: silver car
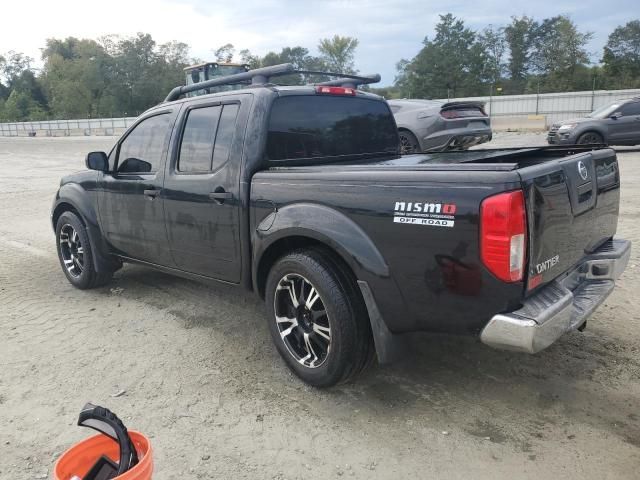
[431,125]
[617,123]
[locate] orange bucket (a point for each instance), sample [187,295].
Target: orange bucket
[81,457]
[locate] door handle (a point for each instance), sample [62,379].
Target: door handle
[152,193]
[220,196]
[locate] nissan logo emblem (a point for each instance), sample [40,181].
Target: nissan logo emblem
[582,170]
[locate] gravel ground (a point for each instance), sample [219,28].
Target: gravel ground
[201,378]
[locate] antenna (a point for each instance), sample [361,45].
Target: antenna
[262,76]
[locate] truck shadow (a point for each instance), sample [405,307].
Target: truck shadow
[449,382]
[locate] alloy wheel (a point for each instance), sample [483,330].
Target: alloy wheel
[406,145]
[302,320]
[71,250]
[590,139]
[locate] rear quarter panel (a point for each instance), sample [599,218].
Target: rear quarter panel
[435,280]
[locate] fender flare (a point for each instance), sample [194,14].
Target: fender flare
[79,199]
[323,224]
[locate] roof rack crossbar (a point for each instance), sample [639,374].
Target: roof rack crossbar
[261,76]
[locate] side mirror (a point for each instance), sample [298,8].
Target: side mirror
[97,161]
[616,115]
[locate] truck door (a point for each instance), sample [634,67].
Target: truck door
[201,187]
[129,200]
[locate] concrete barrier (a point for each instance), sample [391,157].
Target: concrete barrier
[516,123]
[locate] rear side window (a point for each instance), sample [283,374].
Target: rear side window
[225,134]
[207,137]
[196,148]
[329,128]
[141,150]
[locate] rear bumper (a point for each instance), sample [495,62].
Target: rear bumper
[458,138]
[561,306]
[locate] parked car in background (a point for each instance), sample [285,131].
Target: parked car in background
[617,123]
[432,125]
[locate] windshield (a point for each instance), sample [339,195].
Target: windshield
[604,112]
[329,128]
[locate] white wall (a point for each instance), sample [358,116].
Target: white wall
[555,106]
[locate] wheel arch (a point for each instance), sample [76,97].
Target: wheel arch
[594,129]
[73,198]
[315,226]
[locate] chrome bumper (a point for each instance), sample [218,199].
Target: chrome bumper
[562,305]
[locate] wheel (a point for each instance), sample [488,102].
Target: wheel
[408,143]
[590,138]
[317,318]
[74,253]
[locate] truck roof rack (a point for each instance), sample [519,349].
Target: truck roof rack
[262,76]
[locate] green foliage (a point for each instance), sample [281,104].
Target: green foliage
[560,53]
[116,76]
[337,53]
[448,65]
[224,53]
[621,56]
[520,36]
[524,56]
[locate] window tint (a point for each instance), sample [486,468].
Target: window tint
[330,128]
[226,129]
[632,108]
[141,151]
[196,147]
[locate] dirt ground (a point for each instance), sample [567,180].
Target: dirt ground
[202,379]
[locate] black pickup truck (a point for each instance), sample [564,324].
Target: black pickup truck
[300,195]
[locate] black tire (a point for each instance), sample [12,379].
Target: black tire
[408,143]
[74,252]
[590,138]
[350,347]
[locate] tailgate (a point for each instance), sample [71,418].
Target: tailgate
[572,208]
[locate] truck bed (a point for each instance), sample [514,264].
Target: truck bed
[567,217]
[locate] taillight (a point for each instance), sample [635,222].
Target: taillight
[503,234]
[335,90]
[449,114]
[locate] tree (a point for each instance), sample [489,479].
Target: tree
[20,107]
[520,36]
[338,53]
[559,49]
[621,56]
[449,65]
[493,44]
[77,75]
[12,64]
[225,53]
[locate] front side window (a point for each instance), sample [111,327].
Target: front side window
[329,128]
[604,112]
[141,150]
[630,109]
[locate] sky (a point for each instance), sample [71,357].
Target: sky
[388,30]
